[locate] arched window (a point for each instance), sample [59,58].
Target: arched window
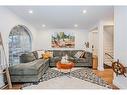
[19,43]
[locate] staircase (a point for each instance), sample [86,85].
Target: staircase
[108,58]
[108,55]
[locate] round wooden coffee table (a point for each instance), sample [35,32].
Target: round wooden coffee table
[67,66]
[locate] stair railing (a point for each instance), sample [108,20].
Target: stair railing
[111,57]
[108,59]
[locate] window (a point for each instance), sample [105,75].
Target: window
[19,43]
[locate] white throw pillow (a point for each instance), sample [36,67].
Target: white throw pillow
[51,54]
[40,52]
[78,54]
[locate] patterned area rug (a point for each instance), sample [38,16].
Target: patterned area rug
[85,74]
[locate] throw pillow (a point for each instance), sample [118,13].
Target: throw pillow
[47,55]
[28,57]
[40,52]
[35,54]
[78,54]
[83,55]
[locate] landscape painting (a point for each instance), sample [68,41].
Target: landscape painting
[63,40]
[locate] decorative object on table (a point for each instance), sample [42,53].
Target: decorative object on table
[5,68]
[64,59]
[118,68]
[63,40]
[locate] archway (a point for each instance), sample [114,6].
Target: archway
[19,43]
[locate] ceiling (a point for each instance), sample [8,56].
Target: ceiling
[63,16]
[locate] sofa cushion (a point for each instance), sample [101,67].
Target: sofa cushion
[35,54]
[30,68]
[78,54]
[40,52]
[71,59]
[73,52]
[27,57]
[57,53]
[65,52]
[84,60]
[83,55]
[88,55]
[55,59]
[81,60]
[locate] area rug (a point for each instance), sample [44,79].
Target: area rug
[82,78]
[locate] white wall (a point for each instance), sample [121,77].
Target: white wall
[120,35]
[120,42]
[43,40]
[7,21]
[93,39]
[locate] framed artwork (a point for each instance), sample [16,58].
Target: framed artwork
[63,40]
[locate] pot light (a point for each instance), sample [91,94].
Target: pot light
[75,25]
[30,12]
[84,11]
[43,25]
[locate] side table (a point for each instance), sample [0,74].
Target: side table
[95,62]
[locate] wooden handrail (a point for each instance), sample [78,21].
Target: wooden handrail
[109,56]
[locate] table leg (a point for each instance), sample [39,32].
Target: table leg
[70,72]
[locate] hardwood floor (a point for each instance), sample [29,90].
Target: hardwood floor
[107,75]
[16,86]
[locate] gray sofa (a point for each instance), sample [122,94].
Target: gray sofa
[86,61]
[32,68]
[28,71]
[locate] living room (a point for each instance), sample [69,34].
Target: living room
[80,34]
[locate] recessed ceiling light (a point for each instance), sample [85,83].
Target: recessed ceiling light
[43,25]
[30,12]
[75,25]
[84,11]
